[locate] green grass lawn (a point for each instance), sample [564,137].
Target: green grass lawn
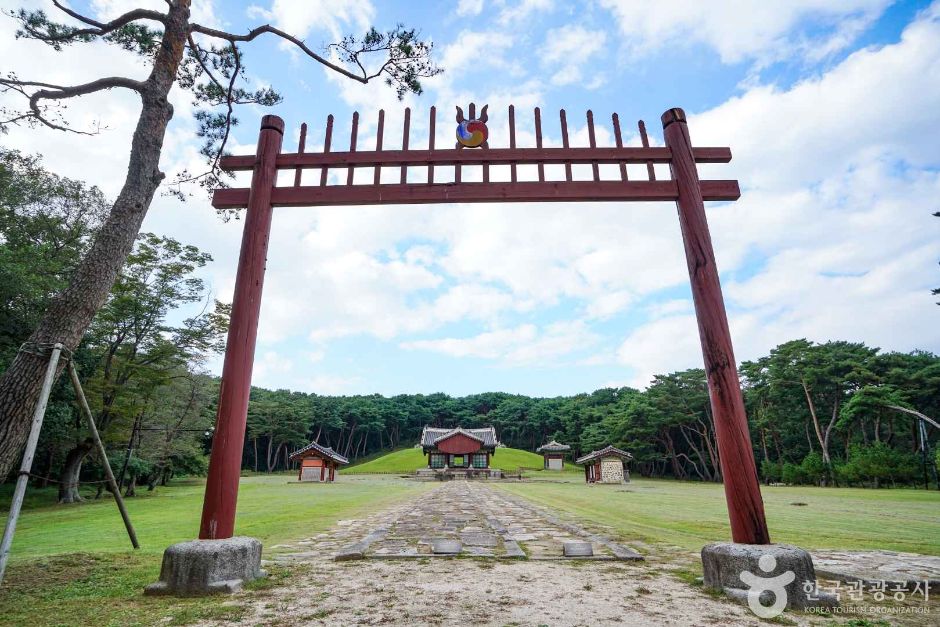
[73,564]
[690,515]
[408,460]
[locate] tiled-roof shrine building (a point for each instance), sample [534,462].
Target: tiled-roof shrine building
[553,455]
[318,463]
[606,465]
[459,448]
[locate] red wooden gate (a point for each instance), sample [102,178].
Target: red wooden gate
[742,490]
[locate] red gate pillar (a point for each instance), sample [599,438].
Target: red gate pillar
[742,489]
[218,510]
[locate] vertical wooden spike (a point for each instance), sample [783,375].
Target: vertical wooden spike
[646,144]
[353,135]
[538,140]
[512,140]
[432,125]
[564,140]
[327,140]
[301,145]
[619,139]
[473,111]
[593,142]
[404,143]
[378,146]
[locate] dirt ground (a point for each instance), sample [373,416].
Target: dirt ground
[480,591]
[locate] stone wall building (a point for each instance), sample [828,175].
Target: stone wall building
[606,466]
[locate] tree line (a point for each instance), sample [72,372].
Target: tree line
[833,413]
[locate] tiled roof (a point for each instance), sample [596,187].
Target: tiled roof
[432,435]
[326,451]
[553,447]
[609,451]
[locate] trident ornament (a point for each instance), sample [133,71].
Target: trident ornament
[472,133]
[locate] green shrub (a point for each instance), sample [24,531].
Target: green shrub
[772,472]
[811,471]
[879,463]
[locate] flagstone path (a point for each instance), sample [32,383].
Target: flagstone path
[477,520]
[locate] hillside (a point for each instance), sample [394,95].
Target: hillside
[411,459]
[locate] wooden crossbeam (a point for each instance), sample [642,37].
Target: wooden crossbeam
[494,156]
[423,193]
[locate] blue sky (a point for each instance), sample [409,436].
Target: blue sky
[831,109]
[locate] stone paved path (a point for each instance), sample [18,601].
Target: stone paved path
[460,518]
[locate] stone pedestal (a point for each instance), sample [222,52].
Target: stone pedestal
[201,567]
[766,577]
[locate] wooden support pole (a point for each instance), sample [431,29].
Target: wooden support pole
[738,469]
[86,410]
[16,504]
[618,137]
[218,512]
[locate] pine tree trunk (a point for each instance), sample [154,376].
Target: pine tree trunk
[72,311]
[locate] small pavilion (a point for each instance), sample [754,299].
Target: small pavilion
[318,463]
[606,465]
[553,455]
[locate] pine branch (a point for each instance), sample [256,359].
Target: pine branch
[37,25]
[50,92]
[267,28]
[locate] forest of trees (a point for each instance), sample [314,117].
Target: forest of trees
[819,413]
[836,413]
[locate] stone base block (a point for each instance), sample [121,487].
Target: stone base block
[202,567]
[766,577]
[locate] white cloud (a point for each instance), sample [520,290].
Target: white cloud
[469,8]
[738,30]
[524,9]
[839,183]
[664,345]
[301,18]
[569,49]
[525,344]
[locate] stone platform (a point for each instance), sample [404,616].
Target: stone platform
[869,567]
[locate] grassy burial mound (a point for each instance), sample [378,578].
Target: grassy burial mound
[408,460]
